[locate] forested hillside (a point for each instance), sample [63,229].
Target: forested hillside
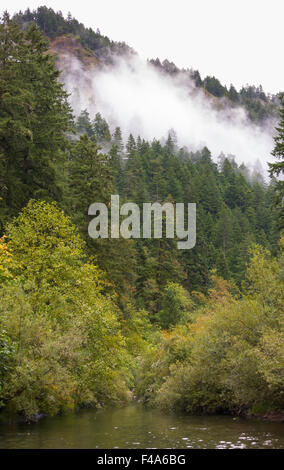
[84,322]
[259,105]
[54,24]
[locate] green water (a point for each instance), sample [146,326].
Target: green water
[136,427]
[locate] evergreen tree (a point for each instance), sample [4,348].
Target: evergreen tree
[277,168]
[34,116]
[101,130]
[90,180]
[118,141]
[130,146]
[233,94]
[84,125]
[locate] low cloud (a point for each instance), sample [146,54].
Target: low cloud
[141,100]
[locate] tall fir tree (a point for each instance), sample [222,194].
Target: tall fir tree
[34,118]
[277,168]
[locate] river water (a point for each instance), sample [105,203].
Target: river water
[133,426]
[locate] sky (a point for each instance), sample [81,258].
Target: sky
[238,41]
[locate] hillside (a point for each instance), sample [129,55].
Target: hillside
[54,25]
[67,44]
[68,35]
[91,315]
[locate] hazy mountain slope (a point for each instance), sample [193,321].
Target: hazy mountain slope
[151,98]
[92,46]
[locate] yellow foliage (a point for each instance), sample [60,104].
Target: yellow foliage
[6,259]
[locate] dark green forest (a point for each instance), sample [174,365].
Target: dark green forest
[88,321]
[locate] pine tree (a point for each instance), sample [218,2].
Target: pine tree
[101,130]
[277,168]
[90,180]
[34,116]
[118,141]
[130,146]
[84,125]
[116,165]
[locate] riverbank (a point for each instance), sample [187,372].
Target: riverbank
[271,416]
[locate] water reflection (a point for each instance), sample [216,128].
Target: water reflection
[135,427]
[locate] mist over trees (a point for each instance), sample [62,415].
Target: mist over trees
[85,322]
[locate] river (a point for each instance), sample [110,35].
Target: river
[133,426]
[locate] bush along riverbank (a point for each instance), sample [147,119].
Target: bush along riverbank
[90,322]
[65,344]
[61,341]
[228,358]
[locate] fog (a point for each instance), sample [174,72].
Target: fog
[143,101]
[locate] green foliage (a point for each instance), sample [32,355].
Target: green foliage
[69,349]
[6,358]
[34,116]
[277,168]
[234,359]
[54,24]
[91,179]
[175,306]
[101,130]
[259,106]
[214,87]
[83,124]
[83,321]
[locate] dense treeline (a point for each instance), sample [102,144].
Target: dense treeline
[84,321]
[228,356]
[259,106]
[233,208]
